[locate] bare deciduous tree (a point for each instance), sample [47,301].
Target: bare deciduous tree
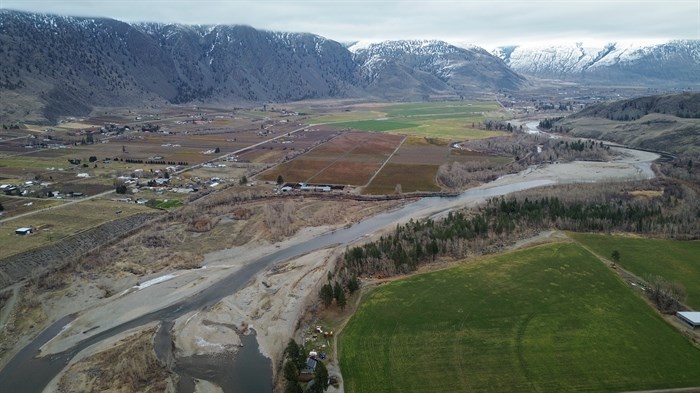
[668,296]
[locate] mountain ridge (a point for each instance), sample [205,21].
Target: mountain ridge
[671,62]
[61,65]
[665,122]
[441,67]
[56,65]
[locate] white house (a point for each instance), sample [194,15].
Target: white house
[23,231]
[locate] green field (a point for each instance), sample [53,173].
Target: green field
[676,261]
[551,318]
[375,125]
[441,110]
[347,116]
[449,120]
[165,203]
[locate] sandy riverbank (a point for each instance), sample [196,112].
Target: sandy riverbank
[271,304]
[164,289]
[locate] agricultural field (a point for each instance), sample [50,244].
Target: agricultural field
[86,155]
[415,165]
[375,125]
[444,110]
[288,146]
[550,318]
[349,159]
[55,224]
[453,121]
[411,177]
[14,205]
[676,261]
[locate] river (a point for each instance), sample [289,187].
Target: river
[26,373]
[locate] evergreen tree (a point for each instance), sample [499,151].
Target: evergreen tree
[341,300]
[291,372]
[337,290]
[295,353]
[353,285]
[292,387]
[326,294]
[320,379]
[616,256]
[292,349]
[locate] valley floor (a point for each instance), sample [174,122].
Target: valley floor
[275,298]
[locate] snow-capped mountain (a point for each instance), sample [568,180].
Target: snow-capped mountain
[676,62]
[430,67]
[64,65]
[56,65]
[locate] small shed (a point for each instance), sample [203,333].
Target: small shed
[23,231]
[692,318]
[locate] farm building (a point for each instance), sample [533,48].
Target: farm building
[307,373]
[692,318]
[306,187]
[23,231]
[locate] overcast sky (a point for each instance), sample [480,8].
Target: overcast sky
[486,23]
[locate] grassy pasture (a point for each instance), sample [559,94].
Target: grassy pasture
[376,125]
[446,120]
[551,318]
[55,224]
[677,261]
[16,206]
[441,109]
[347,116]
[451,129]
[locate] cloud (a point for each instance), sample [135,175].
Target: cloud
[478,21]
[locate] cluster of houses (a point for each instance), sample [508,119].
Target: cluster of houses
[160,181]
[109,129]
[37,188]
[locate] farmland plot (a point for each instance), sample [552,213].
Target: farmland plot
[351,158]
[551,318]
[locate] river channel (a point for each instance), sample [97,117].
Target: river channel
[27,373]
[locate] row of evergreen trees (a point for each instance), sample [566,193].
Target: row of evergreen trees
[153,162]
[461,233]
